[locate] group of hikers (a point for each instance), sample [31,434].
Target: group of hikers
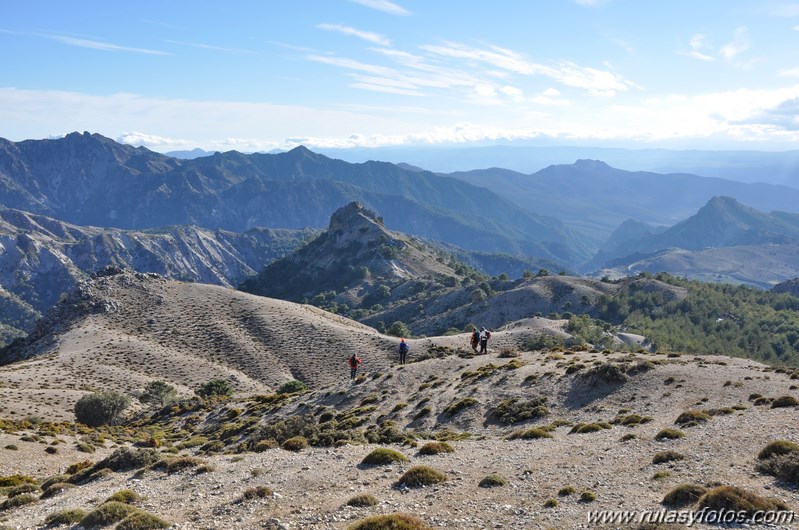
[477,338]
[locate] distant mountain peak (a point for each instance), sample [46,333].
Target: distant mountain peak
[347,217]
[584,163]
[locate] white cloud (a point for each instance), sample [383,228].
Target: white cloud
[375,38]
[384,5]
[212,47]
[795,28]
[149,140]
[789,72]
[785,11]
[99,45]
[512,91]
[697,43]
[738,45]
[352,64]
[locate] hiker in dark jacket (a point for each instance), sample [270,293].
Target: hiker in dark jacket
[475,339]
[354,363]
[403,350]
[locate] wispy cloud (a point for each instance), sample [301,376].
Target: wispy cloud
[787,10]
[212,47]
[739,44]
[369,36]
[85,42]
[789,72]
[352,64]
[385,6]
[697,44]
[99,45]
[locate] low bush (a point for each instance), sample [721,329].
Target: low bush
[126,496]
[583,428]
[785,467]
[383,456]
[551,503]
[566,491]
[669,434]
[784,401]
[107,514]
[692,417]
[667,456]
[16,502]
[419,476]
[778,447]
[290,387]
[493,481]
[175,465]
[215,388]
[101,408]
[683,495]
[363,501]
[24,488]
[258,492]
[296,444]
[587,496]
[533,433]
[64,517]
[394,521]
[55,488]
[458,406]
[15,480]
[734,499]
[434,448]
[515,410]
[141,520]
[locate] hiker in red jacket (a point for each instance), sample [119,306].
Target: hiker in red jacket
[354,363]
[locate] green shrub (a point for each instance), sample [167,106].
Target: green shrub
[83,447]
[363,501]
[175,465]
[434,448]
[126,496]
[583,428]
[667,456]
[532,433]
[419,476]
[692,417]
[78,466]
[785,467]
[660,475]
[587,496]
[24,488]
[15,480]
[778,447]
[55,488]
[215,387]
[566,491]
[69,516]
[296,444]
[107,514]
[669,434]
[290,387]
[16,502]
[493,481]
[383,456]
[101,408]
[457,406]
[127,459]
[631,420]
[258,492]
[514,410]
[784,401]
[394,521]
[731,498]
[265,445]
[158,394]
[141,520]
[11,447]
[683,495]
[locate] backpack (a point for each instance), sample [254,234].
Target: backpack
[403,347]
[488,335]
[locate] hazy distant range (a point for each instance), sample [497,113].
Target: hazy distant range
[774,167]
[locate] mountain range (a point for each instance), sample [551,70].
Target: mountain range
[91,180]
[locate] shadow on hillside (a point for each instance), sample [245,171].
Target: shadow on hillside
[600,382]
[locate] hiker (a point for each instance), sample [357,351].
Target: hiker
[354,363]
[484,336]
[475,340]
[403,350]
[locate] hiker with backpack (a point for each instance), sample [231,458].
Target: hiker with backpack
[475,339]
[354,363]
[403,350]
[484,336]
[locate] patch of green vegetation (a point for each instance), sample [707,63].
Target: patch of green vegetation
[69,516]
[493,481]
[17,501]
[551,503]
[669,434]
[363,501]
[631,420]
[587,496]
[434,448]
[534,433]
[583,428]
[516,410]
[383,456]
[458,406]
[107,514]
[394,521]
[419,476]
[141,520]
[734,499]
[667,456]
[257,492]
[296,444]
[565,491]
[683,495]
[784,401]
[777,448]
[692,417]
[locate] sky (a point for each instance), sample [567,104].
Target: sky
[262,75]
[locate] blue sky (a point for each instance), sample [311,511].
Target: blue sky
[338,73]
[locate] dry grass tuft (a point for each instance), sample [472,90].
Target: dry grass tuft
[419,476]
[383,456]
[683,495]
